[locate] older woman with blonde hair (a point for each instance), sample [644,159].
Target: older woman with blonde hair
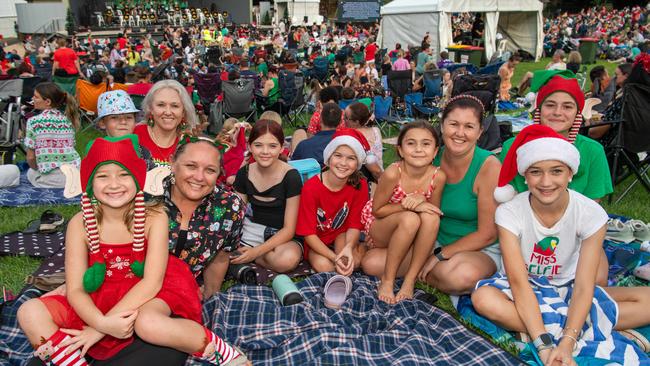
[169,111]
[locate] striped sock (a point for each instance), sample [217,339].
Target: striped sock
[57,354]
[222,354]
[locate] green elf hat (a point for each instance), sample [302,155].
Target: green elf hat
[547,82]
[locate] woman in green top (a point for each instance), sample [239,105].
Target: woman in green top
[466,249]
[271,88]
[559,104]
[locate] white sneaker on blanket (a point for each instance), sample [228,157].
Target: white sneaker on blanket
[619,231]
[640,230]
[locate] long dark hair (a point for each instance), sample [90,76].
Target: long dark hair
[60,99]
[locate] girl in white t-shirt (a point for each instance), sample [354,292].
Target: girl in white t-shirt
[550,240]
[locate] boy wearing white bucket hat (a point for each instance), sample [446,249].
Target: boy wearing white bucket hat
[116,116]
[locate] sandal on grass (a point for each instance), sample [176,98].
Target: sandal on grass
[337,290]
[50,221]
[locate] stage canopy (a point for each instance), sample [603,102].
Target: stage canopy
[519,21]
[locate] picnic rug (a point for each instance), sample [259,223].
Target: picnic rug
[364,331]
[28,195]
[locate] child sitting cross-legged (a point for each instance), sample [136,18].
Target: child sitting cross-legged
[551,238]
[330,206]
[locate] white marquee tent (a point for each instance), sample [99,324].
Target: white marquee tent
[519,21]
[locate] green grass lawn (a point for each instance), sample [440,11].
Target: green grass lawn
[14,269]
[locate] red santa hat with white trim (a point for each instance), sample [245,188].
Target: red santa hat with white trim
[533,144]
[355,140]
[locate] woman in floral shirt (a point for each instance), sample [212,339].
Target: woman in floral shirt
[205,221]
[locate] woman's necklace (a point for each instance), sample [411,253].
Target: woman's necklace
[156,142]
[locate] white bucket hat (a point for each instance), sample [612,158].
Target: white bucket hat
[114,102]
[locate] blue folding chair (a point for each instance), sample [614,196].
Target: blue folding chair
[490,69]
[321,69]
[472,69]
[410,100]
[432,84]
[415,106]
[382,112]
[344,103]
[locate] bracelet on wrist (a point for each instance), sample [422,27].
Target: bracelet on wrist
[573,330]
[575,341]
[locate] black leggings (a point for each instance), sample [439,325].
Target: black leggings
[136,354]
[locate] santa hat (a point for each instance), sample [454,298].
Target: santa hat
[533,144]
[547,82]
[353,139]
[122,151]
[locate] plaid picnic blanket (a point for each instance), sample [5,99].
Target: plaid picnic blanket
[14,347]
[364,331]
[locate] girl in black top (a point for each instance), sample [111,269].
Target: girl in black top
[271,187]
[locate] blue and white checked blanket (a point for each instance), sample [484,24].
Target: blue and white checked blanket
[28,195]
[365,331]
[598,340]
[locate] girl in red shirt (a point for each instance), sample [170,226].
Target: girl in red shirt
[329,217]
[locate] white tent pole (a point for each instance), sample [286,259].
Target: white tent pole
[491,24]
[540,36]
[445,35]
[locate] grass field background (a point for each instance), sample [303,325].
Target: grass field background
[14,269]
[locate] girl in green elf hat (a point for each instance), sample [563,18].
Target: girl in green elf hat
[120,280]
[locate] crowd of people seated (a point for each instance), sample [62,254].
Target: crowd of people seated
[439,214]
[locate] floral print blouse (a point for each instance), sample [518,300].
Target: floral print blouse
[216,224]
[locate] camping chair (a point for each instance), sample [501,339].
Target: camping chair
[432,84]
[344,103]
[321,69]
[400,83]
[67,83]
[11,120]
[87,95]
[292,97]
[415,107]
[629,138]
[486,89]
[208,86]
[239,99]
[470,68]
[44,70]
[28,88]
[490,69]
[383,117]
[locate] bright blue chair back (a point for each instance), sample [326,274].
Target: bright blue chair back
[410,100]
[432,86]
[382,107]
[344,103]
